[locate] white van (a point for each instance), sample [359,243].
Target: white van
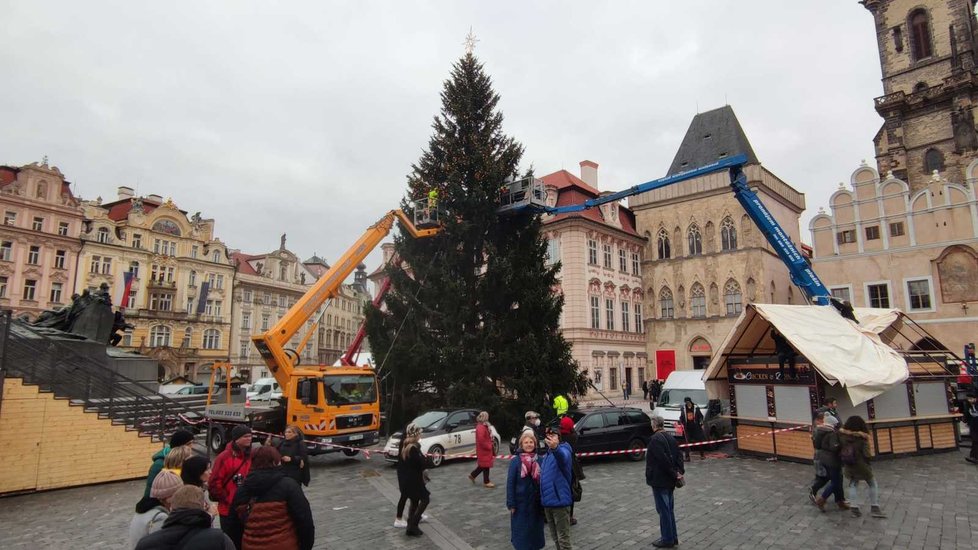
[682,384]
[264,389]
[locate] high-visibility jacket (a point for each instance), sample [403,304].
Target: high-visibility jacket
[561,405]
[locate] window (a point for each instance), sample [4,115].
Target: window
[920,45]
[879,295]
[845,237]
[918,292]
[666,310]
[625,316]
[245,350]
[159,336]
[553,251]
[190,304]
[872,233]
[898,39]
[267,299]
[102,235]
[635,265]
[694,240]
[896,229]
[731,297]
[188,337]
[193,278]
[609,310]
[6,250]
[60,257]
[842,293]
[161,301]
[38,224]
[247,296]
[106,266]
[933,161]
[281,301]
[10,218]
[728,235]
[663,244]
[216,256]
[697,300]
[638,317]
[137,240]
[194,250]
[63,229]
[134,269]
[607,255]
[622,261]
[212,339]
[165,247]
[34,255]
[30,287]
[96,264]
[213,307]
[3,286]
[56,289]
[246,320]
[131,299]
[219,282]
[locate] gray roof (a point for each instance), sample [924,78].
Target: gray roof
[712,136]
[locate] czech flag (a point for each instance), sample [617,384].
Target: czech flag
[122,297]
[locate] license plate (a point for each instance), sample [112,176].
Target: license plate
[356,437]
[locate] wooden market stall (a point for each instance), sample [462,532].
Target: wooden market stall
[906,396]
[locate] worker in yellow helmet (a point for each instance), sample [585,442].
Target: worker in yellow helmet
[561,405]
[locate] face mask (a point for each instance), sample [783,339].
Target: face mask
[536,421]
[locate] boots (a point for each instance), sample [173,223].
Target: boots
[415,518]
[843,505]
[876,512]
[820,502]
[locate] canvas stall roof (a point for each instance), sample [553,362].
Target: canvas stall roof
[841,351]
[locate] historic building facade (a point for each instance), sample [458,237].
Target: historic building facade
[180,296]
[905,234]
[600,277]
[39,242]
[704,257]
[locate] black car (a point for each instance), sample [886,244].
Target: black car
[610,429]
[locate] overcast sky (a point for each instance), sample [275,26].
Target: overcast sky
[304,117]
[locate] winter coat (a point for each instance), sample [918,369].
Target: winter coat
[663,461]
[410,474]
[523,494]
[155,469]
[861,470]
[187,529]
[827,446]
[693,430]
[221,486]
[280,517]
[483,445]
[146,523]
[970,416]
[555,477]
[295,449]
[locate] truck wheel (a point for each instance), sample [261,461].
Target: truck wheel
[637,450]
[351,452]
[218,439]
[436,455]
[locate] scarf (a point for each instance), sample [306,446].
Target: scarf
[529,466]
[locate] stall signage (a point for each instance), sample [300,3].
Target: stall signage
[760,374]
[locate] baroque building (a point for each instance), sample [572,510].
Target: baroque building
[39,242]
[600,255]
[704,257]
[179,299]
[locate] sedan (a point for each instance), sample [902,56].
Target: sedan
[612,429]
[443,432]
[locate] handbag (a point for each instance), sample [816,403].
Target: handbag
[577,490]
[680,482]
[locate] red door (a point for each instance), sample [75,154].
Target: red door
[665,362]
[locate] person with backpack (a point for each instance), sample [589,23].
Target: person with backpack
[664,472]
[152,511]
[827,451]
[856,461]
[568,434]
[556,494]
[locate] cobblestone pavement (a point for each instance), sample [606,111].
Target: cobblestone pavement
[728,503]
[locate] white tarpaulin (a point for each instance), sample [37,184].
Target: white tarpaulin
[841,351]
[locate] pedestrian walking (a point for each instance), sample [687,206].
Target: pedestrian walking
[179,438]
[555,488]
[857,464]
[412,478]
[269,509]
[970,412]
[645,390]
[691,419]
[231,467]
[656,390]
[188,526]
[624,390]
[523,496]
[664,472]
[568,435]
[483,450]
[827,455]
[152,511]
[295,456]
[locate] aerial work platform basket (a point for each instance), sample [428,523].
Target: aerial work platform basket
[517,195]
[427,214]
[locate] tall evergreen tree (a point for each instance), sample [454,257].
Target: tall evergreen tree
[474,320]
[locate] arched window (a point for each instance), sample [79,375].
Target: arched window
[920,44]
[103,235]
[697,300]
[216,256]
[920,87]
[666,308]
[665,251]
[694,241]
[728,235]
[159,336]
[188,336]
[732,297]
[212,339]
[933,160]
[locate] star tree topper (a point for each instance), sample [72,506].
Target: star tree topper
[470,41]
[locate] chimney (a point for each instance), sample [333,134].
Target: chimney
[589,173]
[125,193]
[155,199]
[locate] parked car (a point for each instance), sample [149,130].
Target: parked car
[614,429]
[443,432]
[264,389]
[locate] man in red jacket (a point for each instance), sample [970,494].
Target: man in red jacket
[229,471]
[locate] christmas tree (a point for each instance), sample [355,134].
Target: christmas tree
[472,317]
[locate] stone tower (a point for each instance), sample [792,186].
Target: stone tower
[929,59]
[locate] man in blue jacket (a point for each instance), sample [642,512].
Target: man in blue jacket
[663,468]
[555,488]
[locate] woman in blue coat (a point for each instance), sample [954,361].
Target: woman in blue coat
[523,496]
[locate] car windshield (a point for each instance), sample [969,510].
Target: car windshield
[429,419]
[350,389]
[676,396]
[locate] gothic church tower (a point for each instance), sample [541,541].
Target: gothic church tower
[929,59]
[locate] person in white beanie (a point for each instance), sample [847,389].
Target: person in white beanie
[165,484]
